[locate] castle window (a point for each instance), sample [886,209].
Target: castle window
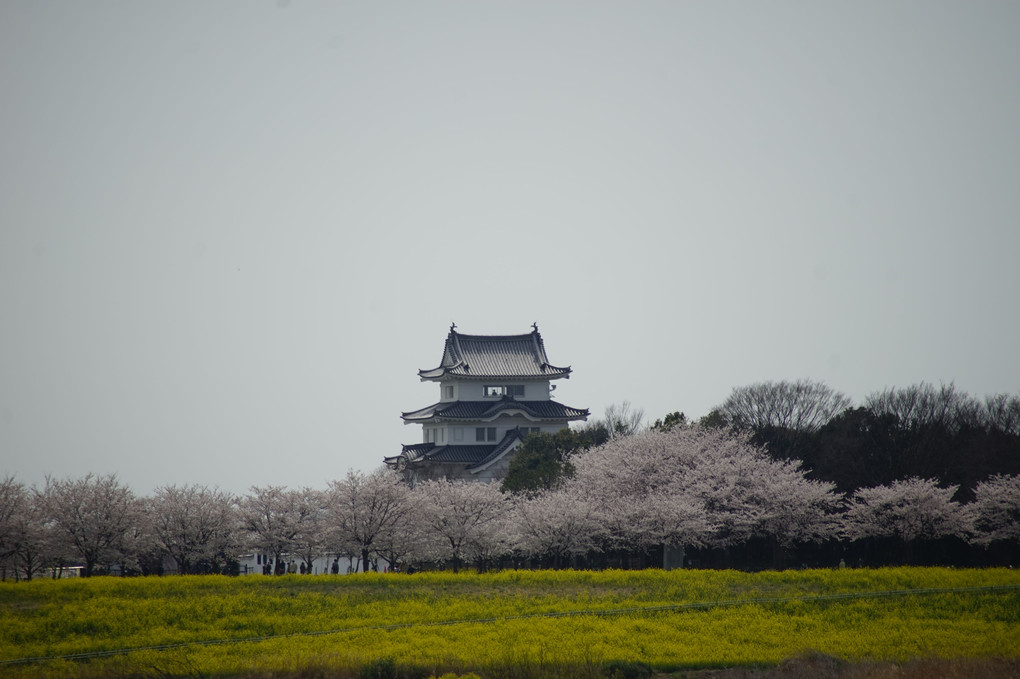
[501,390]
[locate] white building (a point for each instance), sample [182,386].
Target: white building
[494,390]
[256,563]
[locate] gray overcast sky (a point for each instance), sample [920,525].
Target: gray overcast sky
[232,232]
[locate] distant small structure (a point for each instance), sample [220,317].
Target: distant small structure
[258,563]
[494,390]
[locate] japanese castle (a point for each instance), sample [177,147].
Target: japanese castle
[494,390]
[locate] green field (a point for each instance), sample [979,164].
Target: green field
[507,624]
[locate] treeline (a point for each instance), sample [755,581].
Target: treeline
[922,430]
[780,474]
[900,450]
[919,431]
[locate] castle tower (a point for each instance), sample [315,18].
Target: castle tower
[494,390]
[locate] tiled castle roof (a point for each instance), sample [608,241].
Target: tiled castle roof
[494,356]
[471,456]
[484,410]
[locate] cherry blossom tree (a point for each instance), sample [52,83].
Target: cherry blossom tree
[139,552]
[792,508]
[461,516]
[192,524]
[26,537]
[96,516]
[362,508]
[405,539]
[725,473]
[632,483]
[495,543]
[558,524]
[698,486]
[270,516]
[13,500]
[748,494]
[312,537]
[34,544]
[911,509]
[996,509]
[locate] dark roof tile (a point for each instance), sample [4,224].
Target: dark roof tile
[482,410]
[511,436]
[494,356]
[470,455]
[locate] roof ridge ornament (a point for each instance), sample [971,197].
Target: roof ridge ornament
[453,326]
[535,326]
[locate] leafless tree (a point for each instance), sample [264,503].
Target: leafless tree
[622,419]
[924,406]
[1002,413]
[96,517]
[800,406]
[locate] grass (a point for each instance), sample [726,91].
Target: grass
[514,624]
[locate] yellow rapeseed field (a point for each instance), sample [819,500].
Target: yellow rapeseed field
[441,622]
